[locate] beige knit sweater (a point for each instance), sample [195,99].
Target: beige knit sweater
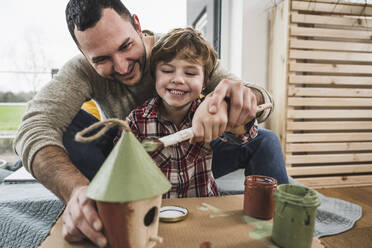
[53,108]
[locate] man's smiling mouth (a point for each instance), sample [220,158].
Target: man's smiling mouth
[127,75]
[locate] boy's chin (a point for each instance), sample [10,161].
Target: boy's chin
[178,105]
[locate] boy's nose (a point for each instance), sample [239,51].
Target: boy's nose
[178,79]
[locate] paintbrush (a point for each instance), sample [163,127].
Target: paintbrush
[186,134]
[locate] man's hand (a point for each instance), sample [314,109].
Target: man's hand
[206,126]
[80,219]
[53,168]
[242,102]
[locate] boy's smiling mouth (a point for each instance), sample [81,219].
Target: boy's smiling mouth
[177,92]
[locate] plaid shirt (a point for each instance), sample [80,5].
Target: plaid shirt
[187,167]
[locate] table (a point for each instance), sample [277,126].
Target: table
[219,220]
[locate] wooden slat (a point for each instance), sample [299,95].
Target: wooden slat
[329,92]
[326,169]
[330,68]
[329,80]
[333,92]
[330,45]
[345,21]
[329,125]
[330,114]
[345,2]
[329,137]
[329,147]
[330,55]
[328,158]
[330,33]
[334,102]
[336,181]
[332,8]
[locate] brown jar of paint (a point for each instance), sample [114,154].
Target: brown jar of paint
[258,196]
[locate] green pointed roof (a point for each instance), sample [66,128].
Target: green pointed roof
[128,174]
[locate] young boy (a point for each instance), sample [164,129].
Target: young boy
[181,63]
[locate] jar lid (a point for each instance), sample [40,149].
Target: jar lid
[260,180]
[299,195]
[172,214]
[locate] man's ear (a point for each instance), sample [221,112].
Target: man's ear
[137,24]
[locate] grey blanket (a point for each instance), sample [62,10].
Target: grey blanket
[28,210]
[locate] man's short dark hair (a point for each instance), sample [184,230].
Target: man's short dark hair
[86,13]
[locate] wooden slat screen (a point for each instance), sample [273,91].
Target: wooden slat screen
[328,102]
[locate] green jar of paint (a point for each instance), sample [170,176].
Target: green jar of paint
[294,216]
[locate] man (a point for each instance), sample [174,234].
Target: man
[114,72]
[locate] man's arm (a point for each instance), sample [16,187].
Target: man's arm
[53,167]
[39,143]
[262,95]
[51,111]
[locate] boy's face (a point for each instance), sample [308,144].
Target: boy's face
[114,47]
[179,82]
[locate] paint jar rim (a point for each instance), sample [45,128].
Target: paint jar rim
[261,181]
[297,195]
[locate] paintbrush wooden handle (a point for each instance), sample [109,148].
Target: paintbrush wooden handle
[177,137]
[264,106]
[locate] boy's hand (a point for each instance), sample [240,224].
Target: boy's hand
[80,219]
[242,102]
[206,126]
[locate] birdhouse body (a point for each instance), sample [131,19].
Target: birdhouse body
[128,190]
[131,224]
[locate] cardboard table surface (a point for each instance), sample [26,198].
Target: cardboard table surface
[218,220]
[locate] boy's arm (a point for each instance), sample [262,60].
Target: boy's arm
[242,134]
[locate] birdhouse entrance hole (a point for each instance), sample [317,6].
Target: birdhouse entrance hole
[150,216]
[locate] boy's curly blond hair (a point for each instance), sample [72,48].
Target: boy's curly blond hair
[185,43]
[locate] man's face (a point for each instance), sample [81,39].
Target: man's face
[114,47]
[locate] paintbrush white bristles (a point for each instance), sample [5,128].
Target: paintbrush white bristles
[152,145]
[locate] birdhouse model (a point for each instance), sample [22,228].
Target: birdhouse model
[128,190]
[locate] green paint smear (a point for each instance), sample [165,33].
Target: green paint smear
[262,230]
[216,212]
[220,215]
[207,207]
[250,220]
[203,208]
[272,246]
